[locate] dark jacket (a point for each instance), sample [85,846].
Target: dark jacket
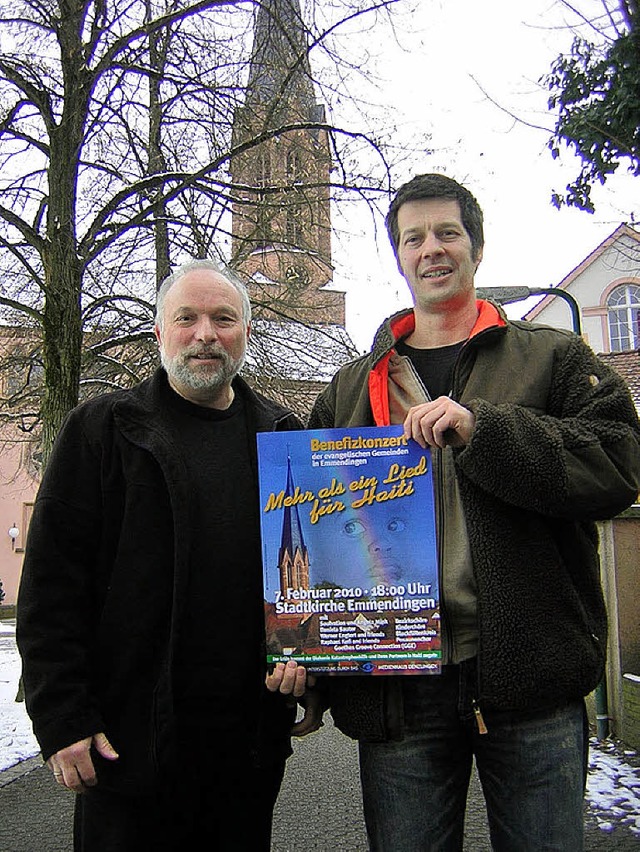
[555,447]
[104,581]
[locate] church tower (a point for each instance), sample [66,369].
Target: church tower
[281,224]
[293,556]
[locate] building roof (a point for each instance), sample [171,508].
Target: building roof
[279,58]
[292,536]
[622,231]
[627,365]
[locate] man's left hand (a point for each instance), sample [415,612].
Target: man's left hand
[289,679]
[313,713]
[293,680]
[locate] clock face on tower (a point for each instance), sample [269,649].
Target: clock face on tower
[297,276]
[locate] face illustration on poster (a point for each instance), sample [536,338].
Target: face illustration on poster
[369,546]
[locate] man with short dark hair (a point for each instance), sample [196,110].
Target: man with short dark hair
[140,616]
[533,438]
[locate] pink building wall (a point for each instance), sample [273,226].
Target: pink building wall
[17,493]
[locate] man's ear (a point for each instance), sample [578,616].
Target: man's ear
[158,334]
[248,331]
[478,258]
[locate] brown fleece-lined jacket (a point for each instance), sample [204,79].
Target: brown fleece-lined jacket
[556,447]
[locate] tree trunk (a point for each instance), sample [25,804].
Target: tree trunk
[62,318]
[157,60]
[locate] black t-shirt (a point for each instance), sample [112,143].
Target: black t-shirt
[220,648]
[434,366]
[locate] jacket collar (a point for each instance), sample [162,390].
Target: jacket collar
[401,324]
[490,317]
[143,405]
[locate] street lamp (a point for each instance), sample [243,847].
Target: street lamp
[506,295]
[14,532]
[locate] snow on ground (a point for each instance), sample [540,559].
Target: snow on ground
[16,736]
[613,790]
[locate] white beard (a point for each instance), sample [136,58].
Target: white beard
[182,371]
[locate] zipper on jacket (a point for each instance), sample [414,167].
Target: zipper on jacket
[470,344]
[482,728]
[480,723]
[446,635]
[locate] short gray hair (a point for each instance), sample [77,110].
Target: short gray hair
[221,269]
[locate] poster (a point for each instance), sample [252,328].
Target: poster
[349,551]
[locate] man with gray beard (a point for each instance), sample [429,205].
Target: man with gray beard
[140,618]
[202,355]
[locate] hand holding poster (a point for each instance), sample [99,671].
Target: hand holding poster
[349,551]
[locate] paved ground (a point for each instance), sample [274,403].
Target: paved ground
[319,807]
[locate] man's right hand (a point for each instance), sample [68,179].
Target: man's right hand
[73,767]
[440,423]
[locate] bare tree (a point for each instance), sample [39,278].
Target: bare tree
[115,144]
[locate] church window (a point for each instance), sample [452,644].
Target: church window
[263,227]
[264,169]
[293,166]
[294,227]
[623,309]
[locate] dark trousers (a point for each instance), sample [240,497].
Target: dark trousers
[210,808]
[532,765]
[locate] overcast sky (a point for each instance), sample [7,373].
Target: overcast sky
[455,49]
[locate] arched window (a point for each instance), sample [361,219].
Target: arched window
[294,227]
[293,166]
[262,232]
[623,308]
[264,169]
